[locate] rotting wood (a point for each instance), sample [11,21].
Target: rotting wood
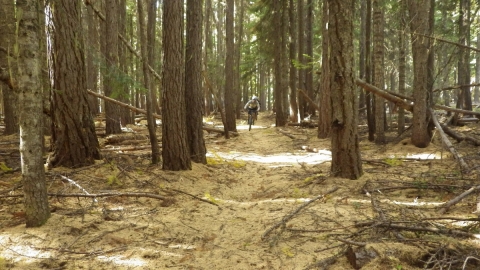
[444,207]
[291,215]
[447,142]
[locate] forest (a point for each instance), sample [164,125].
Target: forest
[126,142]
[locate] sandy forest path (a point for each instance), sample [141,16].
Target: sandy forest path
[228,214]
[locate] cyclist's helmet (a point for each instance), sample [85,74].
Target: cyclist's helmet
[255,97]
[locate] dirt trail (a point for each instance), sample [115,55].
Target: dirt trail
[255,180]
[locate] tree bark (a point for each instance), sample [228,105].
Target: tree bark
[325,112]
[146,75]
[175,149]
[112,112]
[229,92]
[74,141]
[378,70]
[193,81]
[9,94]
[293,69]
[346,160]
[31,114]
[418,10]
[280,61]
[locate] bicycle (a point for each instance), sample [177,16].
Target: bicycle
[252,116]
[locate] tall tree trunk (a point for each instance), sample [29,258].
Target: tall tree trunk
[126,116]
[229,96]
[146,75]
[368,72]
[325,115]
[92,68]
[281,84]
[418,11]
[240,4]
[309,53]
[31,114]
[362,60]
[476,92]
[207,52]
[10,95]
[378,70]
[346,159]
[193,81]
[402,63]
[112,111]
[301,57]
[151,45]
[74,141]
[293,69]
[465,98]
[175,150]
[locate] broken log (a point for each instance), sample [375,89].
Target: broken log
[447,142]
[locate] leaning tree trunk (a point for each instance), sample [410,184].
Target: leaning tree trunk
[346,160]
[31,114]
[74,141]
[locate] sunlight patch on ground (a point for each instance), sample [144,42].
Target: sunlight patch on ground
[308,158]
[120,260]
[17,252]
[423,156]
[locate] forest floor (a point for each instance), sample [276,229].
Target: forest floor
[262,202]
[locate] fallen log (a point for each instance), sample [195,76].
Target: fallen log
[447,142]
[135,109]
[379,92]
[460,137]
[449,109]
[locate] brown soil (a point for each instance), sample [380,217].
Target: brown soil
[247,209]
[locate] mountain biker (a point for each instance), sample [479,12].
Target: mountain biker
[253,105]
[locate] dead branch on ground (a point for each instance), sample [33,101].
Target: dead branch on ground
[103,195]
[129,148]
[291,215]
[444,207]
[447,142]
[195,197]
[286,134]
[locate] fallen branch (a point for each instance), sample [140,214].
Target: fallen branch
[291,215]
[457,199]
[389,225]
[447,142]
[456,87]
[305,95]
[196,197]
[102,195]
[449,109]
